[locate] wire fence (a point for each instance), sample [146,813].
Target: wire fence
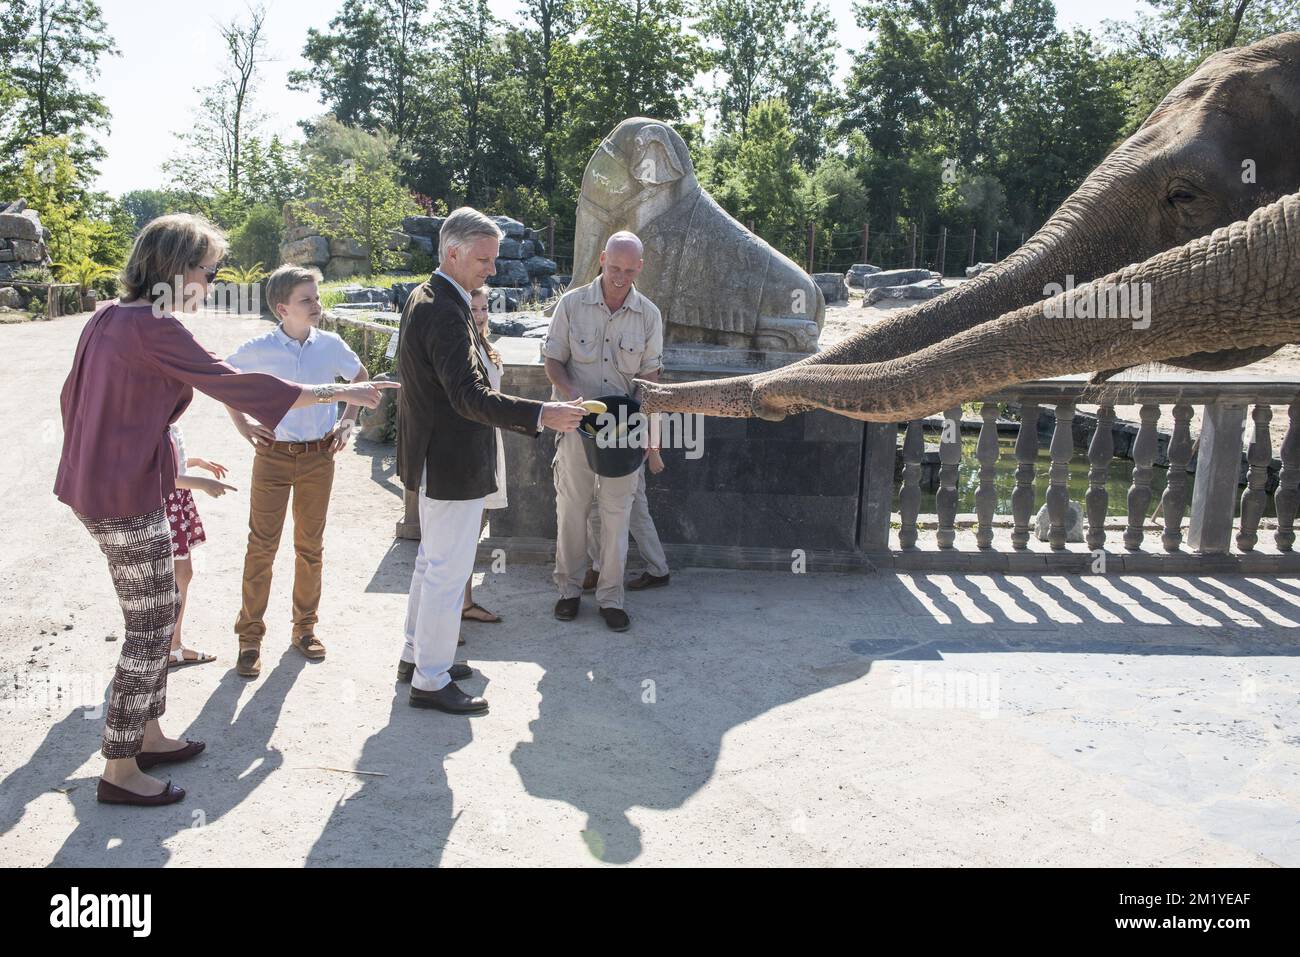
[945,250]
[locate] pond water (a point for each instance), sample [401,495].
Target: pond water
[1117,484]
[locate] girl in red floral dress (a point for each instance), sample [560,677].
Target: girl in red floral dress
[187,531]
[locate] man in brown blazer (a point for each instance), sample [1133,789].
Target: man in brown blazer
[447,418]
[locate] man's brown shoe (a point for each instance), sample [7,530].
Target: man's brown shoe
[646,580]
[250,663]
[566,609]
[310,646]
[591,581]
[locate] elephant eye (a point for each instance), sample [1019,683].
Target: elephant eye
[1182,196]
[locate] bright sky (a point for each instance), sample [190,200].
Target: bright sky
[150,88]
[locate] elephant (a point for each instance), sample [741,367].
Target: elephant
[714,281]
[1197,208]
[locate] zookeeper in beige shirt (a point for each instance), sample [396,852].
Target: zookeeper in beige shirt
[602,336]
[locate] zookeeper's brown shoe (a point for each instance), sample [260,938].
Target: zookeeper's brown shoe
[249,663]
[591,580]
[310,647]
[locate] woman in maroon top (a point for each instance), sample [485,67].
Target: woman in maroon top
[135,371]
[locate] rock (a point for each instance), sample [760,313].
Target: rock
[524,324]
[857,272]
[9,270]
[294,233]
[927,289]
[510,272]
[832,286]
[310,251]
[15,207]
[349,248]
[9,298]
[425,244]
[975,270]
[513,228]
[562,279]
[28,252]
[398,240]
[539,246]
[527,249]
[369,294]
[511,249]
[345,267]
[1073,523]
[19,226]
[503,300]
[6,254]
[402,291]
[428,226]
[894,277]
[375,424]
[540,266]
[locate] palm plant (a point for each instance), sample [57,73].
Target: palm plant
[84,272]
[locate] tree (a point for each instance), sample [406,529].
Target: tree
[765,185]
[51,49]
[245,47]
[367,68]
[82,224]
[632,58]
[556,21]
[144,205]
[770,48]
[1157,52]
[354,188]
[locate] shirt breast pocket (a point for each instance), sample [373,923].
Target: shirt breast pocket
[631,348]
[584,342]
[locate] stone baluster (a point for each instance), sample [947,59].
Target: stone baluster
[1100,451]
[1022,498]
[1258,456]
[909,495]
[1058,489]
[1287,497]
[1173,503]
[986,496]
[1139,493]
[945,501]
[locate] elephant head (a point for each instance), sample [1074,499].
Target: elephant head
[642,169]
[1222,145]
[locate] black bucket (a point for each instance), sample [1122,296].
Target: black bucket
[616,460]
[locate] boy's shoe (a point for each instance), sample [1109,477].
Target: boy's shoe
[310,646]
[250,663]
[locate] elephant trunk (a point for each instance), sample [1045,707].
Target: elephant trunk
[1188,299]
[1093,233]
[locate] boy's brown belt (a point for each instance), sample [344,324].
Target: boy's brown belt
[297,448]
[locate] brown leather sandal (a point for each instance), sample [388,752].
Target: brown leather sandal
[490,619]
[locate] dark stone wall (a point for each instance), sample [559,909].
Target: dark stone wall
[791,484]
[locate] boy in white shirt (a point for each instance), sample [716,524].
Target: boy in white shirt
[297,457]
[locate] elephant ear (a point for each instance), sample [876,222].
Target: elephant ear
[654,161]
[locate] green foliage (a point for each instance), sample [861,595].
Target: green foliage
[257,238]
[82,224]
[244,276]
[630,59]
[352,175]
[51,53]
[84,272]
[144,205]
[765,49]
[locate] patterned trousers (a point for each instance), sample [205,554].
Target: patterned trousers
[139,554]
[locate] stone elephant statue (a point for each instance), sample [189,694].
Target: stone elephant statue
[714,281]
